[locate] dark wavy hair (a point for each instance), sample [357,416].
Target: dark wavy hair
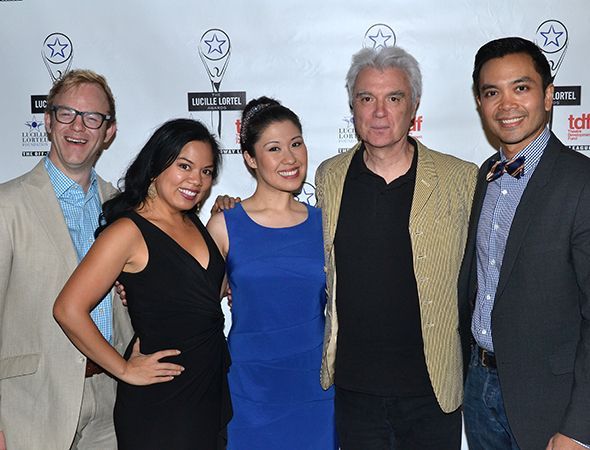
[508,46]
[159,152]
[257,116]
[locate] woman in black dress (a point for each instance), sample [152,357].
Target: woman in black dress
[172,391]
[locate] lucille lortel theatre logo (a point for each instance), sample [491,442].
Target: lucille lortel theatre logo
[215,51]
[57,53]
[552,37]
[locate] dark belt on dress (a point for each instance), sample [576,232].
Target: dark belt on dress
[486,358]
[92,368]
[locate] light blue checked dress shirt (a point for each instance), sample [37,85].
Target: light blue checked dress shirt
[81,211]
[500,203]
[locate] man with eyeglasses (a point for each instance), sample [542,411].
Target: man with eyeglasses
[51,396]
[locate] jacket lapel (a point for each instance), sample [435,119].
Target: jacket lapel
[470,248]
[106,190]
[530,201]
[335,177]
[42,198]
[426,181]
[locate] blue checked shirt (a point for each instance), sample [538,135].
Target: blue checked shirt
[500,203]
[81,211]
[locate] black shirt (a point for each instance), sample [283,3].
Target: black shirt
[380,348]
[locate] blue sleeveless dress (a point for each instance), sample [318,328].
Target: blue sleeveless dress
[278,289]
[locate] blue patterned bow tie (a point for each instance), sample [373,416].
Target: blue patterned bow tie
[513,167]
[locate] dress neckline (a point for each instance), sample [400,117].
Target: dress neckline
[297,225]
[194,220]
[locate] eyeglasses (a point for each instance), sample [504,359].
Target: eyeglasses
[66,115]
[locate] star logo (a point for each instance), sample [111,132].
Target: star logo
[379,40]
[215,51]
[55,50]
[551,36]
[34,125]
[379,36]
[215,44]
[307,194]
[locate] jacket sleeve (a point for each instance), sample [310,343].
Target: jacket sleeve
[576,422]
[319,185]
[6,252]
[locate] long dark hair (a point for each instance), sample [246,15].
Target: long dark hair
[159,152]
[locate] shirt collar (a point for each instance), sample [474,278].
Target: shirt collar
[358,166]
[532,153]
[62,183]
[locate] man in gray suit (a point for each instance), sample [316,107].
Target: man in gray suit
[524,286]
[51,396]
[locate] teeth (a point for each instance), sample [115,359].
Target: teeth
[188,192]
[76,141]
[509,121]
[288,173]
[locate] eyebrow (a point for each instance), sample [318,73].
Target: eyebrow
[185,159]
[278,142]
[524,79]
[398,93]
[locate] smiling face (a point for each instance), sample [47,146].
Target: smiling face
[74,147]
[382,107]
[187,181]
[281,157]
[513,104]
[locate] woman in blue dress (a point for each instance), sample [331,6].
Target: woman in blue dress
[274,254]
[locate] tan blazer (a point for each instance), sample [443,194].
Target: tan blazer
[41,372]
[438,231]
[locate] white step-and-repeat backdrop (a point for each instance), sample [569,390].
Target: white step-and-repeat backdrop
[206,59]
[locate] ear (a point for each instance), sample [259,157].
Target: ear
[47,117]
[416,106]
[548,101]
[478,99]
[250,162]
[110,132]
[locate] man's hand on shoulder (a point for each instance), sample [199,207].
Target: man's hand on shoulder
[121,293]
[223,202]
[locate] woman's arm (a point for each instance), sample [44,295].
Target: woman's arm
[117,248]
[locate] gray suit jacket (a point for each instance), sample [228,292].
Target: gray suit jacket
[438,230]
[41,372]
[541,315]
